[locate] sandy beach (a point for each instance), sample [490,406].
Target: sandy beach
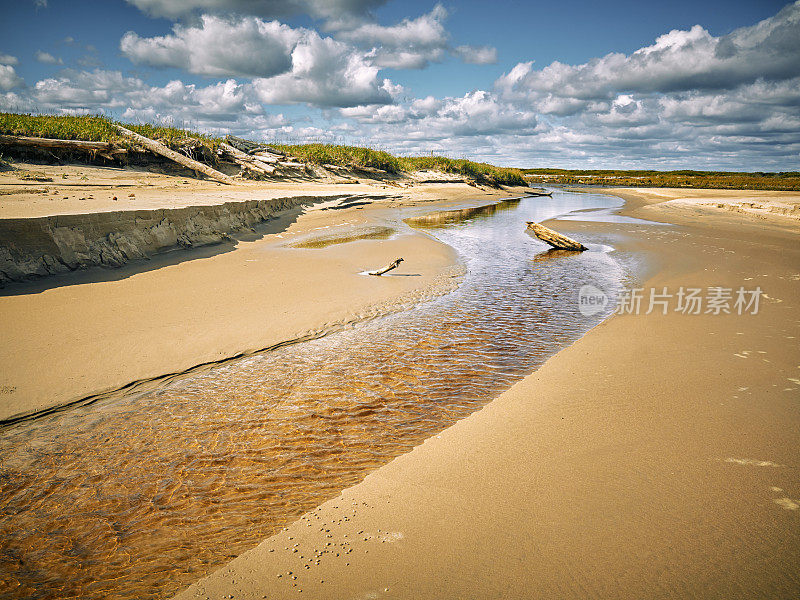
[72,336]
[372,300]
[655,457]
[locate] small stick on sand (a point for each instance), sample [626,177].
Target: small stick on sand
[555,239]
[392,265]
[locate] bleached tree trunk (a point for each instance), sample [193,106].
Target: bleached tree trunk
[555,239]
[179,158]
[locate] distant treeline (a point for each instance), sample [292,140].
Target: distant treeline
[789,180]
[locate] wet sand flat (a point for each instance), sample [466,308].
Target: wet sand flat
[656,457]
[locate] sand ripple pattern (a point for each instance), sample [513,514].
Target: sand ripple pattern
[138,496]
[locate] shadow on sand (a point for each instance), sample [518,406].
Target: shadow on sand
[278,224]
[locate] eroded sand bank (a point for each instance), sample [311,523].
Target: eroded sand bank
[653,458]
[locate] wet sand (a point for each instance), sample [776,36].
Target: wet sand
[69,337]
[654,458]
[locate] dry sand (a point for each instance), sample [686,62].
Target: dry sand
[68,337]
[654,458]
[695,206]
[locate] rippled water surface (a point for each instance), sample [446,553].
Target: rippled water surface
[138,496]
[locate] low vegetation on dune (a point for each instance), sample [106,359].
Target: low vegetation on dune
[355,157]
[343,156]
[61,127]
[480,172]
[97,128]
[686,179]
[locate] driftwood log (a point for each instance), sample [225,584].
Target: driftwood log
[292,165]
[251,147]
[392,265]
[105,149]
[179,158]
[246,161]
[266,157]
[555,239]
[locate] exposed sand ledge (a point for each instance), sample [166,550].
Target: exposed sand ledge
[70,337]
[41,246]
[653,458]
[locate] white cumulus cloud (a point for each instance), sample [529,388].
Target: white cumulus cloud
[219,47]
[47,58]
[287,65]
[9,78]
[677,61]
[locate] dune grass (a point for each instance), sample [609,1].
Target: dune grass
[480,172]
[87,127]
[98,128]
[343,156]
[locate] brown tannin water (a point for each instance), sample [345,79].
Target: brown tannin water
[139,495]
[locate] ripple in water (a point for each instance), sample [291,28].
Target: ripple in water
[138,496]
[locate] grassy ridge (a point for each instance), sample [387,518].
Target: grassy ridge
[481,172]
[89,128]
[789,181]
[344,156]
[95,128]
[354,156]
[99,129]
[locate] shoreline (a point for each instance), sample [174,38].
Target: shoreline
[664,443]
[183,310]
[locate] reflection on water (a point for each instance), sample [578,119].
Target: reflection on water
[458,215]
[139,496]
[342,237]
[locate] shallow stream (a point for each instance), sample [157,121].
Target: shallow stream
[138,496]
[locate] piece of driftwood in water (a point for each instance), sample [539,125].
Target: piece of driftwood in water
[246,161]
[392,265]
[105,149]
[555,239]
[537,192]
[179,158]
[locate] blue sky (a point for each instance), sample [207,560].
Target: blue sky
[622,84]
